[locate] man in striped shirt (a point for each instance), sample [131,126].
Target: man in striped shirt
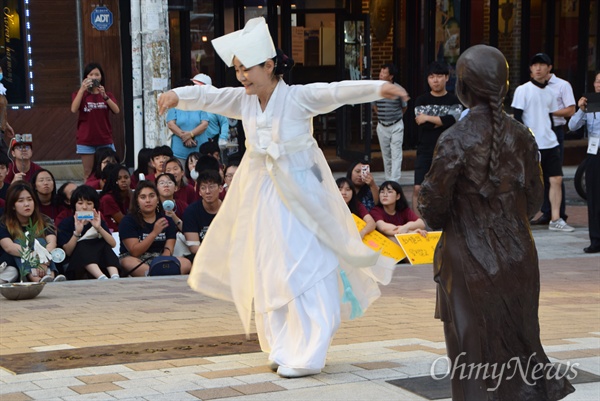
[390,128]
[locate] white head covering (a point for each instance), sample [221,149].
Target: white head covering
[205,79]
[252,45]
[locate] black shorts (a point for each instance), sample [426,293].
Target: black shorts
[422,166]
[550,162]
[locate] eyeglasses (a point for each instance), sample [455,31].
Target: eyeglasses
[22,148]
[208,188]
[165,183]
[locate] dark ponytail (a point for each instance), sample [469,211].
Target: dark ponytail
[282,62]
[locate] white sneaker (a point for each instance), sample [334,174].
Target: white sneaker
[115,277]
[47,279]
[560,225]
[103,277]
[59,278]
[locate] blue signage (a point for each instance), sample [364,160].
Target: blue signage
[102,18]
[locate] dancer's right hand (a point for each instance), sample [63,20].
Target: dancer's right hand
[167,101]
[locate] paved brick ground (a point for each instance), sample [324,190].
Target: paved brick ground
[397,338]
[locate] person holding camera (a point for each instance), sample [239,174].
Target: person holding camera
[94,105]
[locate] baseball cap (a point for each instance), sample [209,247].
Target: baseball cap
[541,58]
[205,79]
[14,142]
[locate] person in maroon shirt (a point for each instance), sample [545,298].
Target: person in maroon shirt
[44,187]
[165,184]
[392,215]
[102,158]
[348,192]
[63,199]
[94,106]
[116,195]
[22,168]
[184,192]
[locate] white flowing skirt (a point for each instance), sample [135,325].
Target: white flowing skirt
[298,334]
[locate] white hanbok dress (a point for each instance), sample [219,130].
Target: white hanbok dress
[284,242]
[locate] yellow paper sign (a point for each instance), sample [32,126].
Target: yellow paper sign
[379,242]
[419,249]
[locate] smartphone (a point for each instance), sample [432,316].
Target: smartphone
[364,170]
[84,215]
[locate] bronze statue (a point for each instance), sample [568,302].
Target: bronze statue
[483,186]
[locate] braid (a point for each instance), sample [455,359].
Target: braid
[497,137]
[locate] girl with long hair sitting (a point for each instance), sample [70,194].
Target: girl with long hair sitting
[102,158]
[116,195]
[183,191]
[146,232]
[22,211]
[348,192]
[44,187]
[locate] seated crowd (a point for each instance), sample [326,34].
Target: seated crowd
[117,223]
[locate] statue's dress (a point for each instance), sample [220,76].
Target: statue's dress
[486,263]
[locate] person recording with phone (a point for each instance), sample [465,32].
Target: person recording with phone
[94,104]
[367,190]
[87,240]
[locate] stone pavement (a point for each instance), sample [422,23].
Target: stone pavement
[397,338]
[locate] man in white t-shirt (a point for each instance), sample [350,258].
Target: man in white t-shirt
[533,105]
[563,92]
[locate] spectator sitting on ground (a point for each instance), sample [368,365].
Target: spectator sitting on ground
[229,173]
[207,163]
[200,214]
[160,155]
[21,210]
[165,184]
[63,200]
[348,192]
[366,187]
[393,215]
[102,157]
[190,165]
[44,187]
[4,163]
[211,149]
[146,233]
[115,197]
[183,191]
[144,166]
[21,168]
[88,242]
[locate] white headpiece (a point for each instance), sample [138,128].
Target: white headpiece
[252,45]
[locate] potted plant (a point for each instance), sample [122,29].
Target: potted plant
[33,254]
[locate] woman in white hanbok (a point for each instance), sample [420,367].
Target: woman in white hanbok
[283,242]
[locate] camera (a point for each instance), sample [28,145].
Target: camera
[95,83]
[26,138]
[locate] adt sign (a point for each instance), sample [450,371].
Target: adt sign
[102,18]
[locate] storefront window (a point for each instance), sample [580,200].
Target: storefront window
[15,53]
[315,4]
[447,36]
[313,39]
